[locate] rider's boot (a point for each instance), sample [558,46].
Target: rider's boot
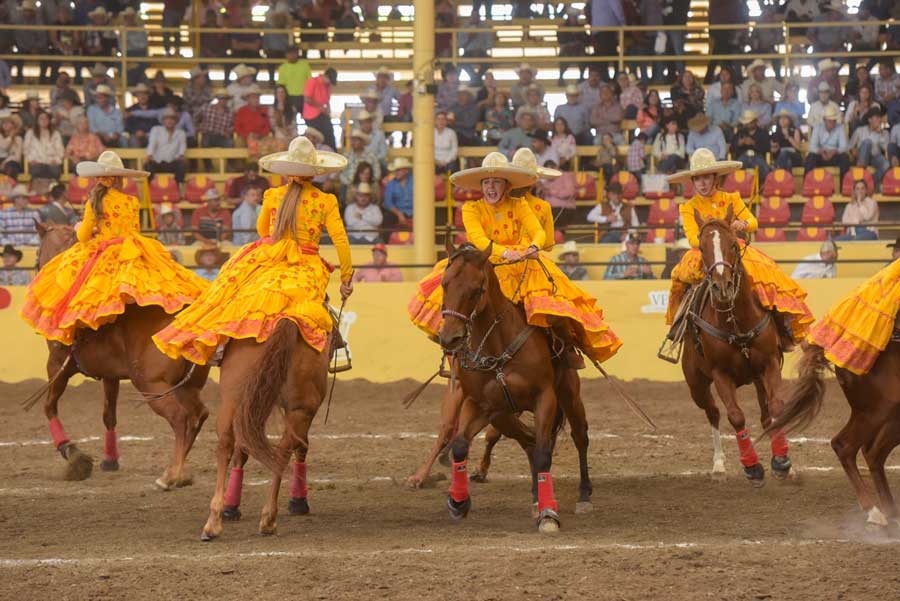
[570,355]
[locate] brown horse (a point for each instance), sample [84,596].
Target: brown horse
[506,366]
[255,377]
[122,350]
[733,341]
[874,424]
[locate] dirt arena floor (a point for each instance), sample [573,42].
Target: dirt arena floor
[661,528]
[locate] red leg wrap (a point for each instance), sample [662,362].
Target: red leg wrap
[235,486]
[780,445]
[459,482]
[111,448]
[58,433]
[299,488]
[745,445]
[546,500]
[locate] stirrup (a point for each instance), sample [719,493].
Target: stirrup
[670,350]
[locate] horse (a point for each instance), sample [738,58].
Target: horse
[509,370]
[255,376]
[874,424]
[733,341]
[121,350]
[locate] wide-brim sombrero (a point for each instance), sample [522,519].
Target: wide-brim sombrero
[107,165]
[525,158]
[301,159]
[493,165]
[703,162]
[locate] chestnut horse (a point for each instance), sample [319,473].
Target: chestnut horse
[506,366]
[121,350]
[732,341]
[874,424]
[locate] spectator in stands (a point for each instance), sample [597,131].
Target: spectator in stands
[786,142]
[84,145]
[614,216]
[212,44]
[606,116]
[726,111]
[765,40]
[726,75]
[756,75]
[244,79]
[828,144]
[869,144]
[30,41]
[887,83]
[559,192]
[534,103]
[589,89]
[364,175]
[398,195]
[519,136]
[631,97]
[405,105]
[357,154]
[105,119]
[62,90]
[43,149]
[276,45]
[363,217]
[726,41]
[649,115]
[464,116]
[568,262]
[636,161]
[209,260]
[860,214]
[102,44]
[893,146]
[161,95]
[573,44]
[606,13]
[445,14]
[283,118]
[385,92]
[669,148]
[527,76]
[65,115]
[217,123]
[687,88]
[828,74]
[475,44]
[58,209]
[701,135]
[243,219]
[316,103]
[166,148]
[447,92]
[607,151]
[140,117]
[10,273]
[63,42]
[137,42]
[197,94]
[11,146]
[829,39]
[173,17]
[243,45]
[682,112]
[250,179]
[371,105]
[563,142]
[855,115]
[446,146]
[379,270]
[253,125]
[30,109]
[761,107]
[168,229]
[498,118]
[211,222]
[791,103]
[578,117]
[487,92]
[750,144]
[17,222]
[543,151]
[818,265]
[293,75]
[858,78]
[818,108]
[99,77]
[377,145]
[629,264]
[801,11]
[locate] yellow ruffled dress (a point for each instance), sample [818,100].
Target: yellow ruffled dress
[772,286]
[511,224]
[267,281]
[110,266]
[859,327]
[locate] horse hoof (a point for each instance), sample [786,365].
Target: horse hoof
[756,474]
[79,465]
[207,536]
[109,465]
[231,513]
[584,507]
[479,477]
[298,506]
[458,510]
[781,467]
[548,522]
[268,530]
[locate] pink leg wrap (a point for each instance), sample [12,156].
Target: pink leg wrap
[459,482]
[58,433]
[235,486]
[546,500]
[111,447]
[299,488]
[745,445]
[780,445]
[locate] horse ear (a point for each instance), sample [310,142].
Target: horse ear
[729,214]
[486,253]
[40,227]
[448,244]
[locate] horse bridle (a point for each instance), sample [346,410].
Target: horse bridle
[736,272]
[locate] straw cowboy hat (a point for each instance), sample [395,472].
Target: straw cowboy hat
[28,5]
[823,86]
[16,120]
[493,165]
[98,70]
[104,89]
[698,122]
[33,95]
[166,208]
[526,67]
[303,160]
[243,70]
[129,12]
[825,65]
[703,162]
[382,70]
[399,163]
[250,91]
[358,133]
[198,71]
[98,12]
[363,188]
[831,114]
[569,248]
[141,88]
[315,136]
[525,159]
[748,117]
[108,165]
[756,63]
[19,191]
[168,114]
[464,89]
[220,256]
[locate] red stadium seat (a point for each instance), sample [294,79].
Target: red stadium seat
[854,174]
[558,237]
[164,188]
[890,185]
[818,210]
[630,185]
[653,195]
[774,210]
[812,234]
[196,186]
[131,188]
[663,211]
[401,238]
[277,180]
[440,188]
[770,234]
[740,181]
[666,235]
[462,194]
[779,183]
[818,182]
[79,189]
[585,186]
[687,189]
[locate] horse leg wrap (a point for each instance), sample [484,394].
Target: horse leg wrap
[58,433]
[235,486]
[459,481]
[546,500]
[780,445]
[111,447]
[299,487]
[745,445]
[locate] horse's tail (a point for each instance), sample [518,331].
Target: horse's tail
[803,400]
[260,393]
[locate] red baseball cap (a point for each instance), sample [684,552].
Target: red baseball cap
[380,247]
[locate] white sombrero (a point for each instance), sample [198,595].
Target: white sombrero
[303,160]
[493,165]
[703,162]
[525,159]
[107,165]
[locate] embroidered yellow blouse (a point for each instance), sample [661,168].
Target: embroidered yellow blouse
[714,207]
[509,224]
[544,213]
[315,212]
[121,216]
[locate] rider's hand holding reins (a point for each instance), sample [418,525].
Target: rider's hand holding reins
[739,225]
[532,251]
[346,289]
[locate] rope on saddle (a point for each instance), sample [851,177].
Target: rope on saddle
[30,402]
[629,400]
[334,370]
[149,398]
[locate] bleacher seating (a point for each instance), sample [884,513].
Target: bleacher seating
[631,187]
[740,181]
[773,210]
[817,211]
[400,238]
[164,188]
[585,186]
[818,182]
[890,184]
[855,174]
[812,234]
[779,182]
[770,234]
[78,189]
[196,186]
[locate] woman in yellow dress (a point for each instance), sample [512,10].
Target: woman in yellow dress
[525,159]
[110,266]
[280,276]
[775,290]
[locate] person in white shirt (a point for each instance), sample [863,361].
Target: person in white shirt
[166,147]
[446,146]
[543,150]
[818,265]
[817,109]
[362,218]
[245,216]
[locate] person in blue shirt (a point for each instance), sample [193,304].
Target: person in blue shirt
[398,196]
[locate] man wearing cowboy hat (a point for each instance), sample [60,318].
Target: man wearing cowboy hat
[99,77]
[362,217]
[385,92]
[629,264]
[379,270]
[140,117]
[568,262]
[828,144]
[244,80]
[828,73]
[543,152]
[701,135]
[293,74]
[398,195]
[614,216]
[96,41]
[211,222]
[576,115]
[818,107]
[17,221]
[357,154]
[317,103]
[527,75]
[447,89]
[534,103]
[166,147]
[105,119]
[10,274]
[750,144]
[519,136]
[30,42]
[756,74]
[168,225]
[251,178]
[217,123]
[377,145]
[464,116]
[251,121]
[209,260]
[869,143]
[138,43]
[887,82]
